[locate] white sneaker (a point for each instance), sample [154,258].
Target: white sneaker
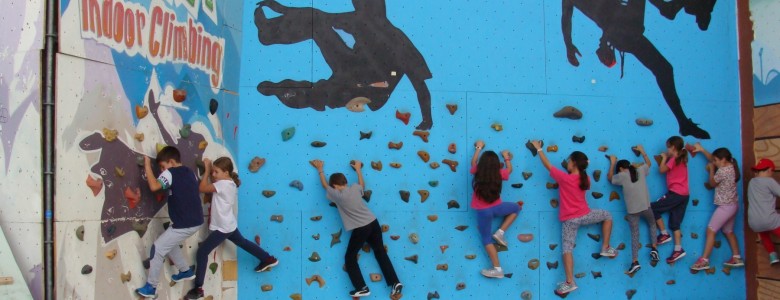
[492,273]
[499,237]
[565,288]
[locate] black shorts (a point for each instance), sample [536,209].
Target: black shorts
[673,203]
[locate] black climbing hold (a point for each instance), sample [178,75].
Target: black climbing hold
[531,147]
[578,139]
[213,105]
[367,195]
[453,204]
[366,135]
[86,269]
[517,185]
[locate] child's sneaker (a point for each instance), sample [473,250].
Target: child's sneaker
[633,268]
[773,258]
[492,273]
[267,264]
[654,255]
[360,293]
[734,262]
[565,288]
[610,252]
[147,291]
[396,290]
[186,275]
[499,237]
[701,264]
[676,255]
[663,239]
[195,293]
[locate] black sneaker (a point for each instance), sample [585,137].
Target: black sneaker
[360,293]
[267,264]
[654,255]
[633,268]
[195,293]
[397,287]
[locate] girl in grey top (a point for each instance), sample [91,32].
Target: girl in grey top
[634,183]
[762,194]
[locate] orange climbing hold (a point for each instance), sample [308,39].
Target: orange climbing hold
[452,148]
[396,146]
[453,164]
[141,111]
[179,95]
[452,108]
[423,195]
[422,134]
[133,197]
[94,184]
[404,117]
[424,155]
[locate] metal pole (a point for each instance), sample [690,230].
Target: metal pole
[50,51]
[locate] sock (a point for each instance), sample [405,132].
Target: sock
[677,247]
[737,256]
[499,231]
[664,232]
[498,269]
[705,259]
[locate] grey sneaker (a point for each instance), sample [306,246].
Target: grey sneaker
[499,237]
[610,252]
[565,288]
[492,273]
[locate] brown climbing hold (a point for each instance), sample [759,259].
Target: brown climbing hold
[375,277]
[553,246]
[579,275]
[139,136]
[694,235]
[433,295]
[553,148]
[497,126]
[316,218]
[266,287]
[412,258]
[460,286]
[110,254]
[414,238]
[658,159]
[94,184]
[385,228]
[552,265]
[257,239]
[141,111]
[179,95]
[453,164]
[395,165]
[395,237]
[710,271]
[471,256]
[109,134]
[125,277]
[357,104]
[452,148]
[695,202]
[517,185]
[318,144]
[404,195]
[80,233]
[603,148]
[526,295]
[423,195]
[287,248]
[315,278]
[595,237]
[443,248]
[202,145]
[424,155]
[442,267]
[335,238]
[422,134]
[533,264]
[268,193]
[296,296]
[277,218]
[716,244]
[314,257]
[630,293]
[366,135]
[367,195]
[256,164]
[500,248]
[670,282]
[396,146]
[569,112]
[453,204]
[644,122]
[554,203]
[596,274]
[376,165]
[621,246]
[527,175]
[525,237]
[552,185]
[614,196]
[532,148]
[452,108]
[433,218]
[461,227]
[726,271]
[597,175]
[597,195]
[404,117]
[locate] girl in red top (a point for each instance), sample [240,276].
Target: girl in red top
[574,211]
[486,200]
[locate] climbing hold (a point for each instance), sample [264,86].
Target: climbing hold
[564,164]
[716,244]
[527,175]
[453,164]
[554,203]
[366,135]
[461,227]
[507,155]
[385,227]
[453,204]
[690,148]
[376,165]
[375,277]
[404,195]
[526,295]
[452,108]
[109,134]
[396,146]
[552,265]
[525,237]
[569,112]
[110,254]
[179,95]
[579,275]
[644,122]
[159,147]
[442,267]
[80,233]
[433,183]
[277,218]
[357,104]
[553,148]
[412,258]
[614,196]
[213,267]
[395,237]
[621,246]
[460,286]
[708,186]
[578,139]
[288,133]
[94,184]
[710,271]
[86,269]
[256,164]
[595,237]
[318,144]
[404,117]
[367,195]
[670,282]
[471,256]
[266,287]
[596,274]
[141,111]
[185,131]
[423,195]
[597,175]
[497,126]
[452,148]
[297,184]
[443,248]
[658,159]
[296,296]
[500,248]
[533,264]
[603,148]
[630,294]
[433,295]
[636,151]
[531,147]
[395,165]
[335,238]
[316,237]
[139,137]
[315,278]
[269,193]
[726,271]
[597,195]
[434,165]
[552,185]
[287,248]
[553,246]
[422,134]
[433,218]
[140,227]
[694,235]
[508,275]
[414,238]
[125,277]
[202,145]
[314,257]
[517,185]
[695,202]
[424,155]
[213,105]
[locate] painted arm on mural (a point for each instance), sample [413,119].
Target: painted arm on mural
[154,185]
[571,51]
[154,106]
[424,99]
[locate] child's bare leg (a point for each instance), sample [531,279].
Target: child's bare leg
[660,223]
[568,266]
[732,238]
[709,243]
[606,231]
[677,237]
[508,220]
[493,254]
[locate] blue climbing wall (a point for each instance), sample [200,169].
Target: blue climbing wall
[502,62]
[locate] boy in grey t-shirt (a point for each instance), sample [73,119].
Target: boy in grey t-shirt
[365,228]
[634,183]
[762,194]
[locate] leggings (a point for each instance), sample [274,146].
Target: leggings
[633,222]
[723,218]
[485,216]
[371,234]
[216,238]
[766,239]
[569,228]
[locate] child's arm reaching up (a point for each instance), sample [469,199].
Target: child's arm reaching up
[318,164]
[154,185]
[698,148]
[612,163]
[644,155]
[206,186]
[507,160]
[478,146]
[711,171]
[542,156]
[358,165]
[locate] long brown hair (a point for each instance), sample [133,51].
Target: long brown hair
[723,153]
[678,144]
[487,179]
[580,161]
[225,164]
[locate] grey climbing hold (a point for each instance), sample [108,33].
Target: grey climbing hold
[297,184]
[288,133]
[412,258]
[414,238]
[314,257]
[579,275]
[80,233]
[644,122]
[86,269]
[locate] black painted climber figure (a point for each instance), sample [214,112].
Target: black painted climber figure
[622,23]
[364,226]
[701,9]
[366,73]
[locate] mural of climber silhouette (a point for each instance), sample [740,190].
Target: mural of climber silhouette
[622,25]
[366,73]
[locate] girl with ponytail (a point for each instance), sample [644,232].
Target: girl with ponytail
[674,163]
[634,183]
[723,175]
[574,211]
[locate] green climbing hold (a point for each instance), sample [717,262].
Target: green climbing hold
[433,183]
[185,131]
[213,267]
[288,133]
